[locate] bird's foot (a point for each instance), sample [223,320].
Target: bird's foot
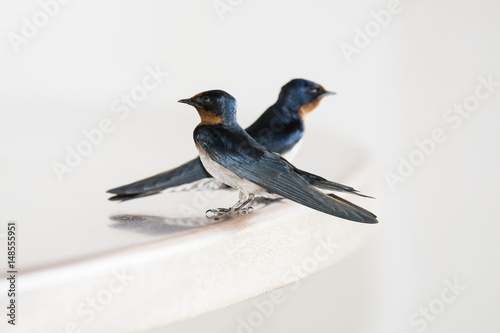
[243,211]
[217,213]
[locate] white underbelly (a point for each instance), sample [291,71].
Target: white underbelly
[207,184]
[228,177]
[204,184]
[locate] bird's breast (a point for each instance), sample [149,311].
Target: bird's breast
[225,175]
[216,170]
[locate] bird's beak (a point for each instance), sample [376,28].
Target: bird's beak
[326,93]
[186,101]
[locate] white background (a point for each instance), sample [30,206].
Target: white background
[440,224]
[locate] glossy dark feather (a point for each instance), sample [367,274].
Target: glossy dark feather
[325,184]
[187,173]
[278,129]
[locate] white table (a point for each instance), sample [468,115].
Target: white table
[98,266]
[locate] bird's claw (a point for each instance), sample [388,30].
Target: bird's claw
[243,211]
[217,213]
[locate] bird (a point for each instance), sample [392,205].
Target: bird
[236,159]
[280,129]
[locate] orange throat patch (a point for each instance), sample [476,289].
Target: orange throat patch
[209,118]
[306,109]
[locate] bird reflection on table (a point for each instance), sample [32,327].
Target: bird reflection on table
[171,224]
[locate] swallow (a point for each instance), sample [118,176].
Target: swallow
[280,129]
[236,159]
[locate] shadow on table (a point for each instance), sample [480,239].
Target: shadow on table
[162,225]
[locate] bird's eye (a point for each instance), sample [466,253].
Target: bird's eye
[314,91]
[205,100]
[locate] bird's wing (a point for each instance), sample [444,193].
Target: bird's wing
[187,173]
[325,184]
[237,151]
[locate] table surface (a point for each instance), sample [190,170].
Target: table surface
[103,266]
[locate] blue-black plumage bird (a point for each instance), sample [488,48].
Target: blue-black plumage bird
[232,156]
[280,128]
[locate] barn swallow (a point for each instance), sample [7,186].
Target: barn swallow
[280,129]
[233,157]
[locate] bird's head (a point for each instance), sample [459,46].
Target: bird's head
[215,107]
[302,96]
